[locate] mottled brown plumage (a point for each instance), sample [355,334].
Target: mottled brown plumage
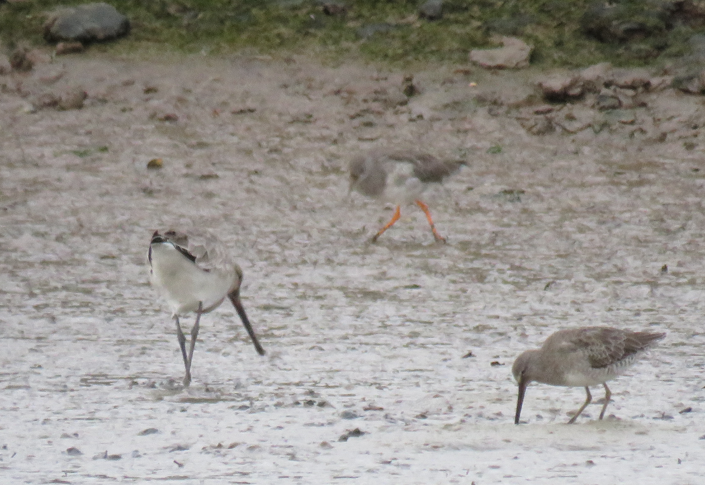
[583,357]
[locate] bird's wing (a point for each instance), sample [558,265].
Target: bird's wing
[602,346]
[606,346]
[426,167]
[201,247]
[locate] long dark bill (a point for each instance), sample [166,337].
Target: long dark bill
[520,401]
[235,299]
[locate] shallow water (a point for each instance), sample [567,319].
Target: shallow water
[550,233]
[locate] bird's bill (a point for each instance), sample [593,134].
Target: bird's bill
[235,299]
[520,400]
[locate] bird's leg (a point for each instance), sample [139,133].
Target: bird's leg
[585,404]
[194,336]
[182,344]
[395,218]
[608,395]
[424,208]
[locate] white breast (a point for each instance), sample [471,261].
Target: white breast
[402,186]
[184,284]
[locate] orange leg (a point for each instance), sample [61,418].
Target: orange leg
[395,218]
[424,208]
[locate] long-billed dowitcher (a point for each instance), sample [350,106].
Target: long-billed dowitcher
[581,357]
[195,273]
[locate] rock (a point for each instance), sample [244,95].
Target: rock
[617,23]
[628,98]
[693,83]
[153,164]
[659,83]
[334,9]
[514,55]
[86,23]
[431,10]
[606,102]
[408,87]
[631,79]
[63,48]
[576,119]
[561,87]
[72,99]
[45,100]
[20,61]
[540,125]
[625,117]
[595,76]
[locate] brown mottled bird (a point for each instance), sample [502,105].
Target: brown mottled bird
[581,357]
[399,177]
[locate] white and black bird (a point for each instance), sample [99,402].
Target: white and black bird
[399,177]
[581,357]
[194,272]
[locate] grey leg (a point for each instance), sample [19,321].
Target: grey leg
[585,404]
[608,395]
[194,336]
[182,344]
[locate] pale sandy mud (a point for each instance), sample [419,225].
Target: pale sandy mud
[551,232]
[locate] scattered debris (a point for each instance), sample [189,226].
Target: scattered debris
[355,433]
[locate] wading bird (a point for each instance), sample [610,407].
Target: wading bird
[581,357]
[194,272]
[399,177]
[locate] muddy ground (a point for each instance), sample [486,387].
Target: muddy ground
[544,233]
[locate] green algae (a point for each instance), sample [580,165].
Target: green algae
[385,31]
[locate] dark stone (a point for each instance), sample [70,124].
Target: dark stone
[562,88]
[541,125]
[86,23]
[625,21]
[691,83]
[334,9]
[72,98]
[431,10]
[355,433]
[20,61]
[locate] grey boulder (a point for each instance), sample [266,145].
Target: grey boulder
[86,23]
